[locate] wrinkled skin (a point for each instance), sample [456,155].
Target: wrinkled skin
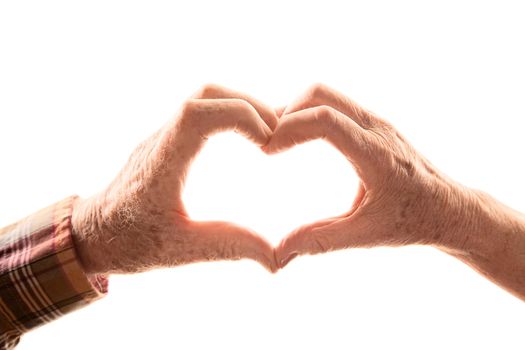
[139,222]
[402,199]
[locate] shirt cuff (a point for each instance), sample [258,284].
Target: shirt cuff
[41,277]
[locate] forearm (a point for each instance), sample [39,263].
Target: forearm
[86,238]
[494,245]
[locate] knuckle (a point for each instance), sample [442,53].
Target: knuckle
[230,250]
[243,105]
[189,116]
[187,108]
[325,115]
[320,242]
[208,90]
[242,112]
[383,124]
[317,91]
[389,128]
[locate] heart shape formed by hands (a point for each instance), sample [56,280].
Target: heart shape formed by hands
[232,180]
[140,220]
[371,145]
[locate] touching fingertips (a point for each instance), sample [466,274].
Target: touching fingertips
[268,133]
[287,260]
[279,111]
[272,121]
[269,147]
[272,267]
[260,136]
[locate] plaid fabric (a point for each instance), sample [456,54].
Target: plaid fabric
[40,275]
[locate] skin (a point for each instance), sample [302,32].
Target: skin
[139,222]
[402,199]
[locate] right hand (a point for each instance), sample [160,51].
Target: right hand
[402,198]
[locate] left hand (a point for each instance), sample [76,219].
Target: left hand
[139,222]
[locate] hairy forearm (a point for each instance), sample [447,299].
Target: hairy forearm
[102,240]
[494,245]
[85,237]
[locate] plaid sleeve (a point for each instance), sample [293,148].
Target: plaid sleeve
[40,275]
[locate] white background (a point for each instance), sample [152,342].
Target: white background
[81,83]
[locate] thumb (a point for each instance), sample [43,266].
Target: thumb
[218,240]
[326,235]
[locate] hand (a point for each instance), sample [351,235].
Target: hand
[402,198]
[139,222]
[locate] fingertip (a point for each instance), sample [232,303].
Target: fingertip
[267,114]
[266,255]
[268,132]
[271,146]
[277,266]
[258,132]
[263,253]
[284,253]
[262,123]
[279,111]
[272,268]
[272,120]
[266,148]
[287,259]
[267,264]
[278,142]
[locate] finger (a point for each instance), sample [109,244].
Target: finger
[289,247]
[327,235]
[279,111]
[322,95]
[300,242]
[226,241]
[200,119]
[213,91]
[323,123]
[183,137]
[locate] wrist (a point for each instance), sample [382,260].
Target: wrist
[488,228]
[87,236]
[495,246]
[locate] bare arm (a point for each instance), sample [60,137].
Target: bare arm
[495,247]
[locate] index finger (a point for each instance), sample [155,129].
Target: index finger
[322,95]
[183,138]
[326,123]
[214,91]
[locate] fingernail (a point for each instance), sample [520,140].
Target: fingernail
[290,257]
